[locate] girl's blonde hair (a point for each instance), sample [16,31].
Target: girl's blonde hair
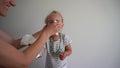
[52,13]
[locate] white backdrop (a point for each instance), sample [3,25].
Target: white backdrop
[93,25]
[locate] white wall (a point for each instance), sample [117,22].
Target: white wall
[93,25]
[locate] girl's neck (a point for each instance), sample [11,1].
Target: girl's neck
[55,37]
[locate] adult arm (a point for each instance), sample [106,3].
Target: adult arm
[5,37]
[12,58]
[8,39]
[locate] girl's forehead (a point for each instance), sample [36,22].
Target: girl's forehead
[54,16]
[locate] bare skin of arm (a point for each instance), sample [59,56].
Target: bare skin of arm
[67,52]
[10,57]
[36,35]
[7,38]
[16,43]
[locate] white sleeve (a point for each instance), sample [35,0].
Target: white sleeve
[27,39]
[67,40]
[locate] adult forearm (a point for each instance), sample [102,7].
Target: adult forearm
[17,43]
[36,47]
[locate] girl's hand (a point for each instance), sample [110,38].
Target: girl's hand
[62,55]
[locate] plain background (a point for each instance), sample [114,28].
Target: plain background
[93,25]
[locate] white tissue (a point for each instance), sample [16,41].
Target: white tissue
[27,39]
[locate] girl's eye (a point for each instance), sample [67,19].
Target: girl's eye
[53,21]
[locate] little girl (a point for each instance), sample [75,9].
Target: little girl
[58,46]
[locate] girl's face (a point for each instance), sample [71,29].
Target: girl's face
[54,18]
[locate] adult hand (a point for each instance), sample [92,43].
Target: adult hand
[53,28]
